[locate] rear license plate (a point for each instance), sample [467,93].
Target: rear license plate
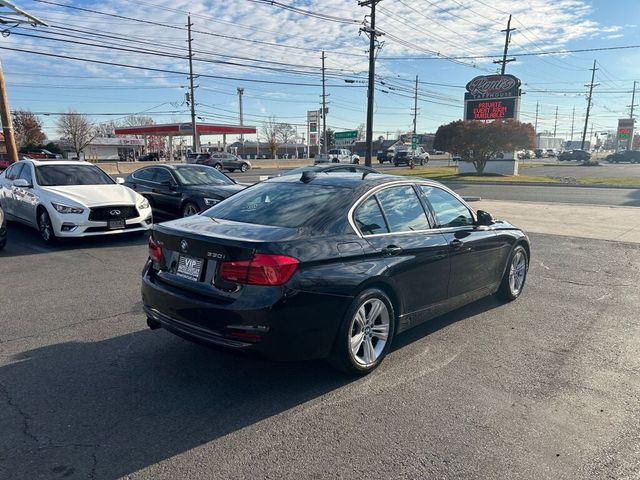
[115,224]
[189,267]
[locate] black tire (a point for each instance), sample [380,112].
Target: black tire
[421,162]
[342,356]
[3,243]
[396,164]
[218,166]
[380,162]
[45,227]
[356,161]
[189,209]
[244,167]
[507,290]
[231,170]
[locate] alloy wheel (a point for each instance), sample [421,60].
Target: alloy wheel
[517,272]
[189,210]
[369,332]
[45,227]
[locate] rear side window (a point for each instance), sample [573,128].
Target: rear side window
[369,218]
[277,204]
[162,175]
[403,209]
[144,174]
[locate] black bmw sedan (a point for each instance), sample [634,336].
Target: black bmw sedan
[327,266]
[181,190]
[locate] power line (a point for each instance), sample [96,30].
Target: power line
[162,70]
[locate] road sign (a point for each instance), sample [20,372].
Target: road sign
[414,142]
[346,139]
[351,134]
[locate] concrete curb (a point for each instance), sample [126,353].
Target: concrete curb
[535,184]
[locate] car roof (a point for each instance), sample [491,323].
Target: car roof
[350,179]
[37,162]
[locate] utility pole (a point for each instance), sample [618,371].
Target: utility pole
[324,108]
[415,109]
[194,127]
[7,123]
[555,125]
[240,93]
[507,40]
[535,127]
[573,119]
[586,120]
[633,101]
[372,76]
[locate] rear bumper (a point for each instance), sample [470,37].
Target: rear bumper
[277,322]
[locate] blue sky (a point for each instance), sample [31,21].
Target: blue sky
[249,35]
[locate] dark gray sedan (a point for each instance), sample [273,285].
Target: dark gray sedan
[220,161]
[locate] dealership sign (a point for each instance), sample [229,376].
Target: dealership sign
[492,97]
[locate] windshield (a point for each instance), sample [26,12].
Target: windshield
[58,175]
[201,176]
[276,204]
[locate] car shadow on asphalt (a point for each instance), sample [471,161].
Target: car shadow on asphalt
[116,406]
[109,408]
[424,330]
[23,240]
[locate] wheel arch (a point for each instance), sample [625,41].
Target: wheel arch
[382,283]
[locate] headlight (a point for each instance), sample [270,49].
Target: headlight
[143,203]
[210,202]
[66,208]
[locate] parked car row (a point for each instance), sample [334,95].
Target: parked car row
[404,156]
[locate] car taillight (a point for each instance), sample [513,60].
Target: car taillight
[262,269]
[155,251]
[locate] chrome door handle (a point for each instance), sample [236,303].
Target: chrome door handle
[392,250]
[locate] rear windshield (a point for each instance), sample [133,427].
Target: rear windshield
[276,204]
[59,175]
[201,175]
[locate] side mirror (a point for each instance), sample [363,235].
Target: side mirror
[22,183]
[484,218]
[120,180]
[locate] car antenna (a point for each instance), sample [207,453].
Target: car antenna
[307,176]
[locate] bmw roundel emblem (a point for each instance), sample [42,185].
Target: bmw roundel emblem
[184,245]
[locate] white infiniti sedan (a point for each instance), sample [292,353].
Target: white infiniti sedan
[70,199]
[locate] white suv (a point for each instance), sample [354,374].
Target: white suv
[341,155]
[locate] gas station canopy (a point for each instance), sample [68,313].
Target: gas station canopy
[185,129]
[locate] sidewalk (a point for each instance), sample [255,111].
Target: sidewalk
[620,224]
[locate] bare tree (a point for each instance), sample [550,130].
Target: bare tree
[76,129]
[286,133]
[271,132]
[28,129]
[106,129]
[362,131]
[138,121]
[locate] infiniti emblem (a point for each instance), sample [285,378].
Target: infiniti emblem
[184,245]
[113,213]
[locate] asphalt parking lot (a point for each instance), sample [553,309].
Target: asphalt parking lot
[546,387]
